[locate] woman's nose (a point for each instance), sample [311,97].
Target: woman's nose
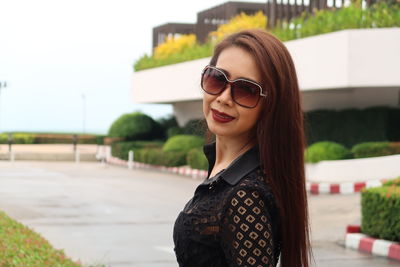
[225,97]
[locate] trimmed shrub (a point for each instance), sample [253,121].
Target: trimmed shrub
[196,159]
[353,126]
[183,143]
[135,126]
[121,149]
[371,149]
[195,127]
[391,182]
[326,150]
[168,122]
[158,157]
[380,211]
[174,131]
[18,138]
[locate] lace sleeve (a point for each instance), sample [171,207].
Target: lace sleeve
[246,232]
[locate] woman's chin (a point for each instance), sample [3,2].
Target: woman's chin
[220,130]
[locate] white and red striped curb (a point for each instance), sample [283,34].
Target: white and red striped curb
[194,173]
[313,188]
[341,188]
[365,243]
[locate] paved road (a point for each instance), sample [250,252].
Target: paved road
[110,215]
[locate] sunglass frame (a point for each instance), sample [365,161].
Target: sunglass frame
[230,82]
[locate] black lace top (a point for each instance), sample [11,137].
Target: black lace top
[232,219]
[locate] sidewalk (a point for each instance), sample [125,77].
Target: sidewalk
[49,152]
[49,148]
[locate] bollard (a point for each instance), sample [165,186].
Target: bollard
[74,141]
[10,141]
[12,156]
[130,160]
[77,156]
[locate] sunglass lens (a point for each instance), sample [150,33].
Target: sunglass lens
[213,81]
[245,93]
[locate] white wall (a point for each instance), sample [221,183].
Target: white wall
[185,111]
[344,59]
[351,97]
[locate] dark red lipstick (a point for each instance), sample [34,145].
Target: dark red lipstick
[221,117]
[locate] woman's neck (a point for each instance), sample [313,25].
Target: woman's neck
[228,148]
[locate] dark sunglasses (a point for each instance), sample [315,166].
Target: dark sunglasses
[244,92]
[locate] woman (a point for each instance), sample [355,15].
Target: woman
[252,207]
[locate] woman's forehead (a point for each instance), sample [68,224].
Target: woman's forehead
[238,63]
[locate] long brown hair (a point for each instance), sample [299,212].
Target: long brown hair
[281,138]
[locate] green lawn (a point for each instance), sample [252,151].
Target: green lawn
[22,247]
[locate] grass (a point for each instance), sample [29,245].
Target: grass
[20,246]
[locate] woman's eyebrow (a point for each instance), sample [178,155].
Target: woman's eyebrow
[225,71]
[229,76]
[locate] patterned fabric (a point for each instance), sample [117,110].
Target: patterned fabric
[246,229]
[230,220]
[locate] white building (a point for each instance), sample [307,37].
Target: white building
[355,68]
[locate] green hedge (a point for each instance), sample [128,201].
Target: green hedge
[136,126]
[183,143]
[353,126]
[195,127]
[380,211]
[326,150]
[375,149]
[18,138]
[174,131]
[159,157]
[42,138]
[379,15]
[196,159]
[121,149]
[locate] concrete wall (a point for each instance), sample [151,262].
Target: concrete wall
[185,111]
[350,68]
[351,97]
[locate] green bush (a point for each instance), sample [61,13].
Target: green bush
[183,143]
[159,157]
[371,149]
[391,182]
[195,127]
[379,15]
[326,150]
[18,138]
[174,131]
[20,246]
[121,149]
[353,126]
[135,126]
[380,211]
[196,159]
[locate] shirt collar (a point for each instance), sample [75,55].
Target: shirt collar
[240,167]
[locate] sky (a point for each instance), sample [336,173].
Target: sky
[68,64]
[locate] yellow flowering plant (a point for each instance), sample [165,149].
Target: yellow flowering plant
[174,45]
[240,22]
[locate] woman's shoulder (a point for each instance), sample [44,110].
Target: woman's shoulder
[255,184]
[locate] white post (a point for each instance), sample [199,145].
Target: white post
[130,160]
[77,156]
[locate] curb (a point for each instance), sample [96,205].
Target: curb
[194,173]
[374,246]
[341,188]
[313,188]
